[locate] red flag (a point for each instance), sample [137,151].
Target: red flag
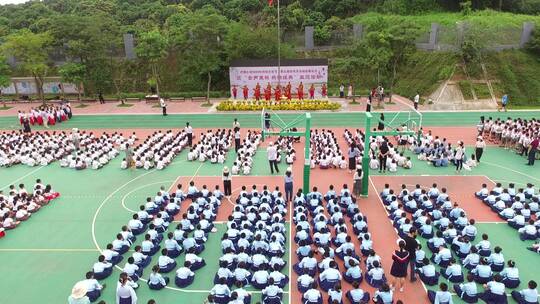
[270,2]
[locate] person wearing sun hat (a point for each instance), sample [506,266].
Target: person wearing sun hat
[226,177]
[479,148]
[78,294]
[288,185]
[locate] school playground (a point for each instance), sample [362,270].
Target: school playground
[45,256]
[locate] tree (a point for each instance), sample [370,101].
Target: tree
[199,37]
[31,52]
[74,73]
[152,47]
[244,42]
[90,41]
[5,79]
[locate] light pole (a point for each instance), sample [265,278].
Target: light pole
[279,44]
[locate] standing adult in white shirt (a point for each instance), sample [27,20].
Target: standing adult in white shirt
[189,132]
[458,156]
[271,152]
[480,146]
[416,101]
[163,106]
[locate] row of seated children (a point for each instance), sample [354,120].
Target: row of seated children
[437,152]
[157,150]
[519,207]
[19,204]
[152,221]
[285,146]
[253,247]
[356,138]
[320,249]
[92,153]
[394,159]
[492,293]
[33,149]
[212,146]
[432,210]
[244,158]
[325,150]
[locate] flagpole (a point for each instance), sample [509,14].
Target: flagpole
[279,44]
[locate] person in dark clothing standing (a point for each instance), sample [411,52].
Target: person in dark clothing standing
[400,259]
[380,126]
[533,148]
[383,155]
[26,125]
[100,97]
[236,139]
[226,177]
[411,245]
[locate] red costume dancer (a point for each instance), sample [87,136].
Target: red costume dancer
[277,93]
[324,90]
[257,92]
[52,119]
[40,119]
[312,92]
[301,91]
[288,91]
[245,91]
[21,117]
[268,92]
[234,92]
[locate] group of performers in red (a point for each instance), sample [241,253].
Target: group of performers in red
[46,115]
[278,92]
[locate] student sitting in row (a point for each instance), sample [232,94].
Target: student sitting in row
[102,269]
[453,272]
[443,296]
[528,232]
[428,274]
[312,295]
[494,291]
[482,273]
[510,275]
[467,291]
[184,276]
[528,295]
[156,281]
[356,295]
[93,288]
[383,295]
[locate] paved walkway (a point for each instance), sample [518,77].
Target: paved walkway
[189,107]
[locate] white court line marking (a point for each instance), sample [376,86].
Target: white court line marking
[391,223]
[510,169]
[22,177]
[380,200]
[138,188]
[118,267]
[48,250]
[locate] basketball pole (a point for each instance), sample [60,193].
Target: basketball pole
[307,154]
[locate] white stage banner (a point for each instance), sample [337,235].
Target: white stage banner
[250,76]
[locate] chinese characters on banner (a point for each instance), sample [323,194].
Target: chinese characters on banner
[250,76]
